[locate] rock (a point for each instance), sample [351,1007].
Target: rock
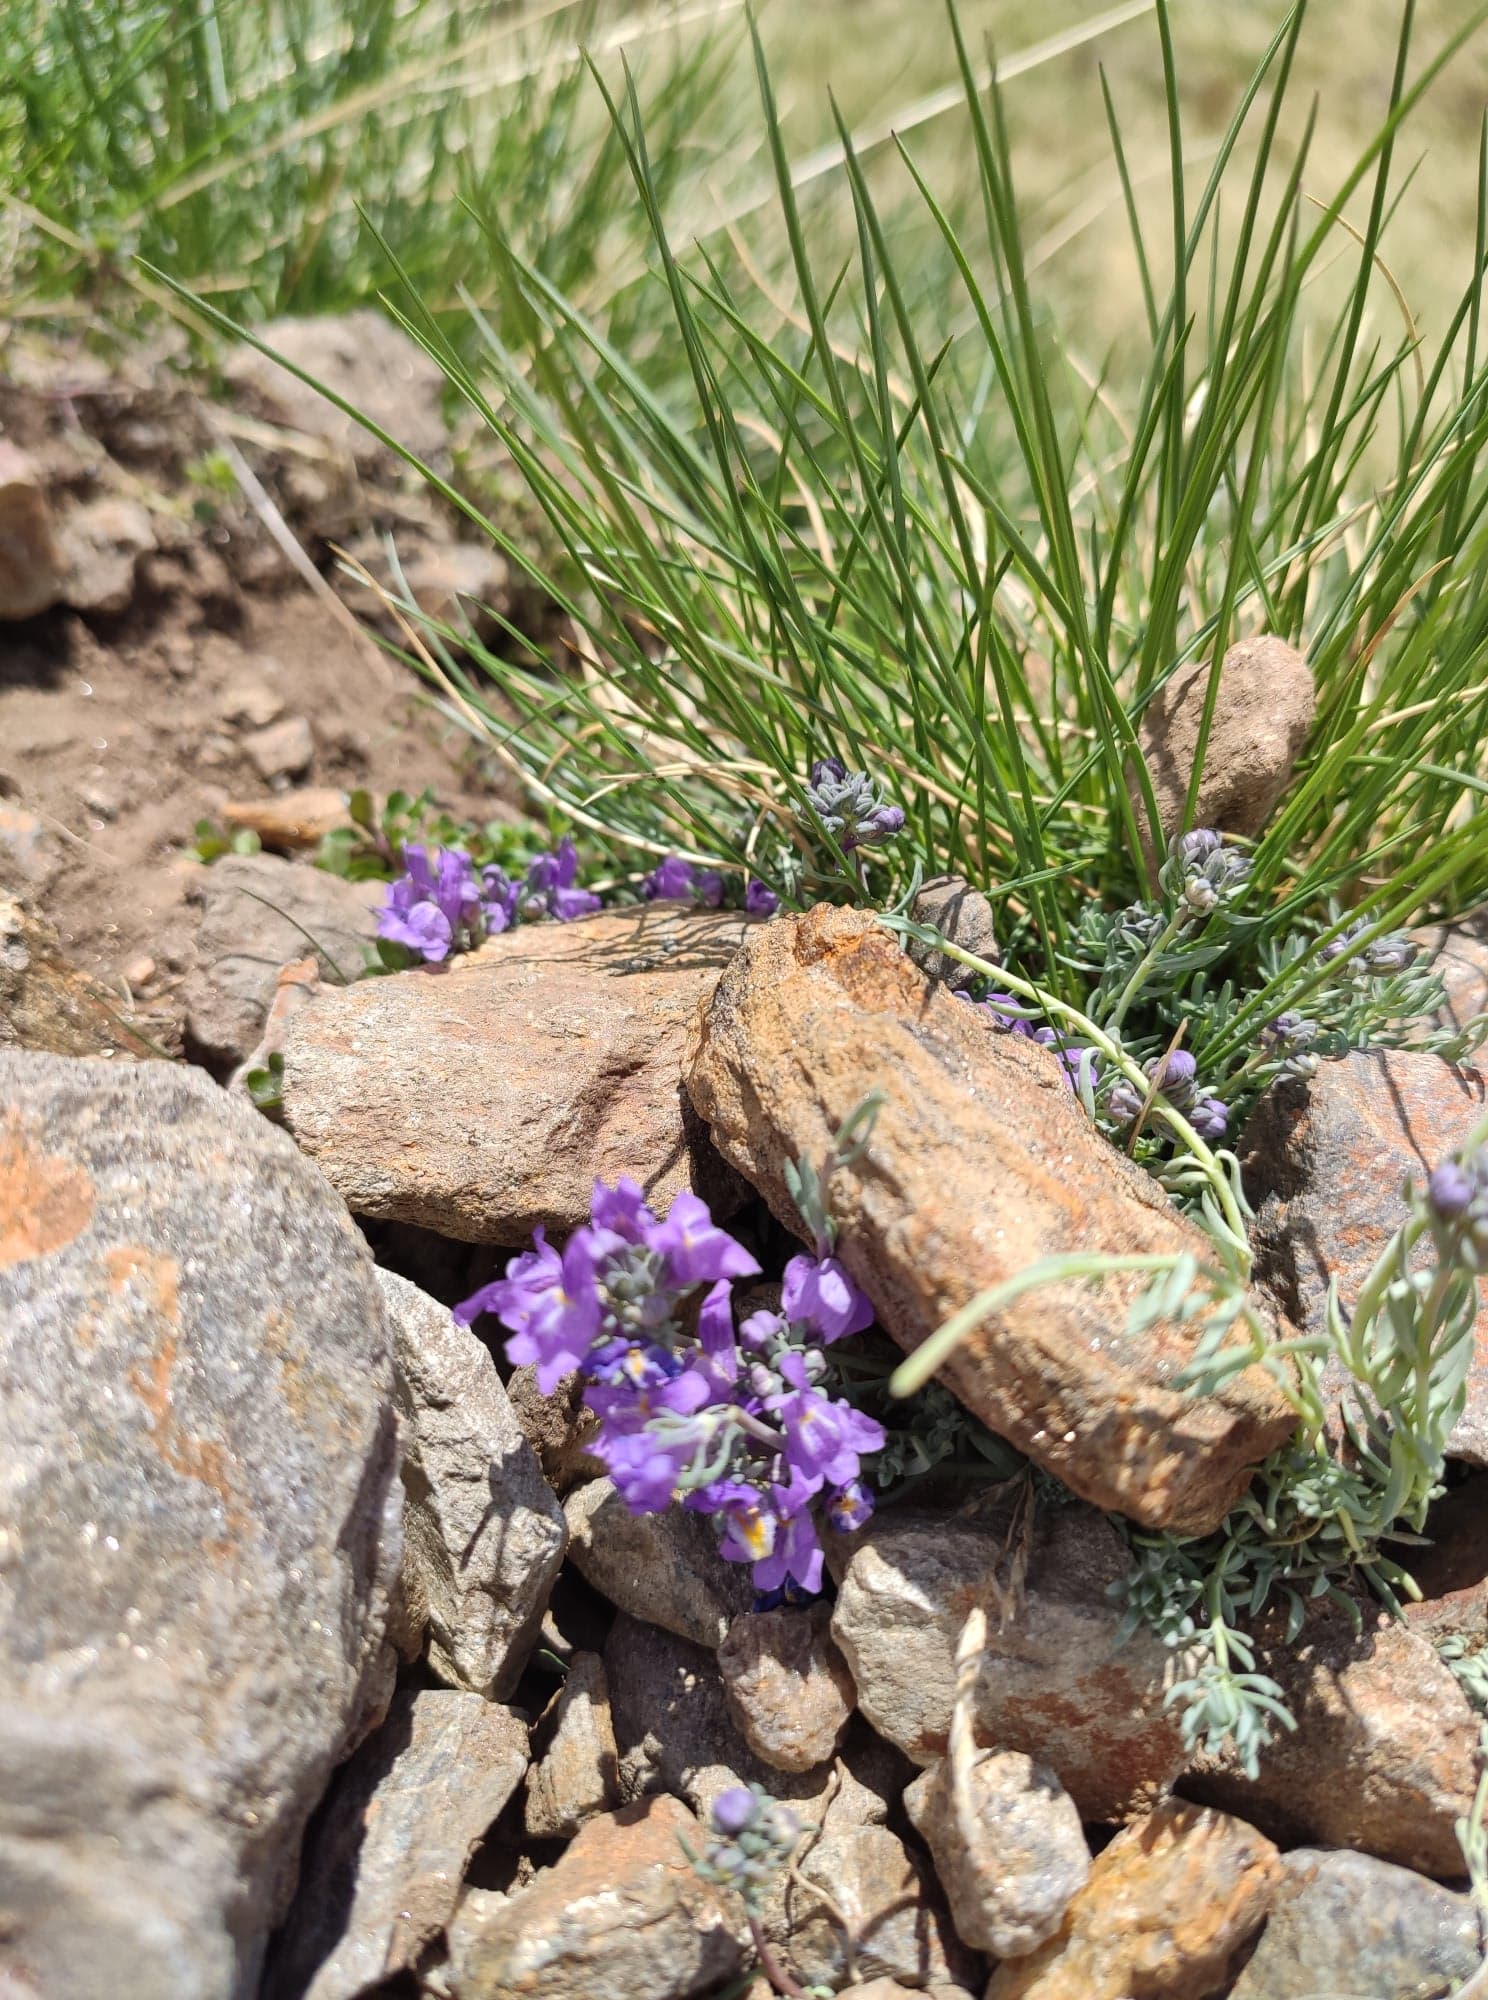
[49,1005]
[789,1691]
[31,569]
[1384,1756]
[1452,1570]
[258,914]
[102,543]
[578,1774]
[621,1917]
[664,1568]
[283,750]
[673,1732]
[1008,1846]
[199,1524]
[980,1163]
[960,913]
[486,1100]
[1458,953]
[1325,1162]
[252,701]
[359,356]
[388,1851]
[897,1926]
[1342,1925]
[483,1534]
[30,855]
[455,583]
[1167,1907]
[557,1427]
[1054,1682]
[290,821]
[1262,714]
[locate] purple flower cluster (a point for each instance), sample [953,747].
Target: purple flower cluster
[1176,1076]
[848,805]
[1457,1198]
[674,880]
[443,903]
[1006,1015]
[733,1422]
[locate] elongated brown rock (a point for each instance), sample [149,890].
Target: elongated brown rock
[980,1163]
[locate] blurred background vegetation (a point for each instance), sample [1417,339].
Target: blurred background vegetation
[236,143]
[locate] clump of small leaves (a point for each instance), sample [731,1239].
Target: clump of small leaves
[210,842]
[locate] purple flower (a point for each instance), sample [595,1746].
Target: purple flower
[672,880]
[819,1291]
[1003,1009]
[549,888]
[827,771]
[645,1465]
[822,1438]
[1195,848]
[1174,1073]
[760,900]
[749,1522]
[1125,1101]
[707,888]
[499,900]
[1451,1188]
[1210,1117]
[796,1554]
[622,1209]
[761,1328]
[431,902]
[734,1810]
[850,1507]
[551,1306]
[715,1326]
[697,1251]
[848,805]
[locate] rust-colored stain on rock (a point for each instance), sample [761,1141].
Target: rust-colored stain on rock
[46,1202]
[158,1280]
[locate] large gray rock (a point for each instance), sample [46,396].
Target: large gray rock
[387,1856]
[664,1567]
[578,1772]
[259,913]
[858,1901]
[1343,1924]
[483,1533]
[1055,1680]
[789,1690]
[199,1524]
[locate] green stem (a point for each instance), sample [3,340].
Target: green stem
[1142,971]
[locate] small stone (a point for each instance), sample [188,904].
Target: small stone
[1325,1164]
[1344,1925]
[382,1870]
[253,702]
[962,914]
[49,1005]
[31,569]
[1263,711]
[1384,1757]
[578,1774]
[455,583]
[256,913]
[283,750]
[289,822]
[201,1507]
[621,1917]
[1055,1682]
[487,1099]
[1008,1846]
[897,1925]
[663,1567]
[483,1534]
[980,1163]
[102,542]
[139,971]
[674,1734]
[1168,1906]
[789,1690]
